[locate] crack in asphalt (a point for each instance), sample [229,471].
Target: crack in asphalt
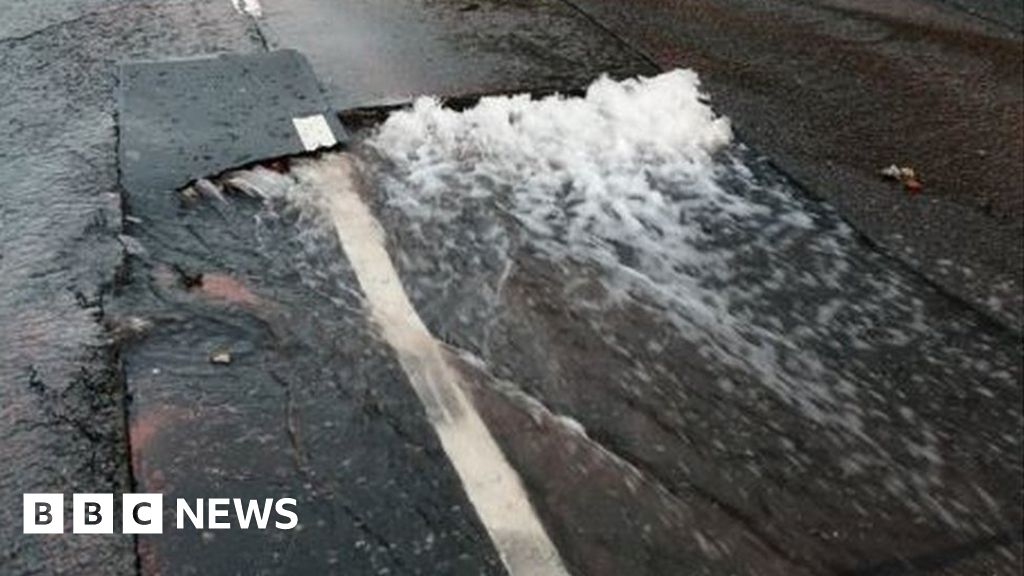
[90,388]
[646,58]
[936,560]
[291,426]
[82,17]
[966,8]
[301,466]
[122,277]
[256,30]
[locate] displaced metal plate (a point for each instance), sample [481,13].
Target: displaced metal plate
[184,119]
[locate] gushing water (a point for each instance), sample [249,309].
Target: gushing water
[641,184]
[642,181]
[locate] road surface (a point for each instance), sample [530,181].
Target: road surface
[645,339]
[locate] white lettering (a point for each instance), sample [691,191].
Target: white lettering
[282,511]
[252,510]
[196,517]
[218,509]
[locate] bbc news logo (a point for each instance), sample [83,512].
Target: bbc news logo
[144,514]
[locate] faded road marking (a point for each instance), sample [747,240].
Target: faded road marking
[250,7]
[491,484]
[314,132]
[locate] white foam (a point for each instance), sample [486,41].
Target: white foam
[626,177]
[591,156]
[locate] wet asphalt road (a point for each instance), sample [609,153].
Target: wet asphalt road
[62,391]
[838,89]
[106,333]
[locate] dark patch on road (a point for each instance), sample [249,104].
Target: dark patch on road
[185,119]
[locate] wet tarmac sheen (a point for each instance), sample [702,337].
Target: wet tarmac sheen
[61,388]
[254,372]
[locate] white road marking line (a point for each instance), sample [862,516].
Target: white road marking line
[250,7]
[491,484]
[314,132]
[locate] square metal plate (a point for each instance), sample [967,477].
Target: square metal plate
[184,119]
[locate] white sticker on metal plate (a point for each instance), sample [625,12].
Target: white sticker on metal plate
[314,132]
